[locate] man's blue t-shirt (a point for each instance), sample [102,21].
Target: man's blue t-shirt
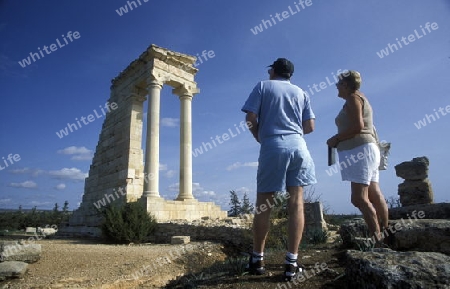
[281,108]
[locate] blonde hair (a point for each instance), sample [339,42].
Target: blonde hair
[352,78]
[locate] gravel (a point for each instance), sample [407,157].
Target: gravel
[84,264]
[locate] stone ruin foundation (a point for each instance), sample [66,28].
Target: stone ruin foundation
[416,193]
[120,172]
[416,189]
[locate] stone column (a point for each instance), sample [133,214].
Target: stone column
[151,169]
[185,144]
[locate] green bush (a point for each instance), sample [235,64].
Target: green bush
[127,223]
[317,236]
[277,238]
[235,265]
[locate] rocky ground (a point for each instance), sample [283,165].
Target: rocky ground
[419,262]
[84,264]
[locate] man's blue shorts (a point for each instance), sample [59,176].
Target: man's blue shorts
[284,160]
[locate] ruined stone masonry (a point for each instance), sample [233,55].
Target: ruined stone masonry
[119,163]
[416,189]
[419,232]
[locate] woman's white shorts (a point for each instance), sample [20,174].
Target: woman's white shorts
[360,164]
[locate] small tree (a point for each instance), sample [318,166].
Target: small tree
[32,219]
[235,204]
[127,223]
[310,195]
[393,202]
[65,208]
[52,218]
[247,207]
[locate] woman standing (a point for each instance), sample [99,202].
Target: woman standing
[359,155]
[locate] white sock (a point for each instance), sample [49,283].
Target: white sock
[256,256]
[291,259]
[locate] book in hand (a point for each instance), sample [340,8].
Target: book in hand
[331,156]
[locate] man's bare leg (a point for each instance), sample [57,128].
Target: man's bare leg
[296,221]
[261,221]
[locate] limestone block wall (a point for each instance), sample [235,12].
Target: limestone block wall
[232,231]
[165,210]
[314,216]
[116,173]
[235,231]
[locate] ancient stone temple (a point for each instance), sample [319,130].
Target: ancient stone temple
[120,172]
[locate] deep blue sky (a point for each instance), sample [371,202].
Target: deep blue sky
[40,99]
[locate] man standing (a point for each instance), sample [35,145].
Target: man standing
[278,114]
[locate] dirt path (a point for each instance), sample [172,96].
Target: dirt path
[84,264]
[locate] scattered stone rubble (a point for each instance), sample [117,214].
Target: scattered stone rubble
[15,257]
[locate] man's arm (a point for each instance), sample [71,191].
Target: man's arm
[252,124]
[308,126]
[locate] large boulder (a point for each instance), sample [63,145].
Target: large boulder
[20,251]
[30,230]
[12,269]
[47,231]
[431,211]
[414,192]
[417,169]
[411,233]
[352,231]
[387,269]
[422,235]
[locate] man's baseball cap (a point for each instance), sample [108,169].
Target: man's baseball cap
[282,66]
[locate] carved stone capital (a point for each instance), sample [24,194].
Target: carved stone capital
[186,91]
[153,82]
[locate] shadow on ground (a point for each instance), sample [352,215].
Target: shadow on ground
[230,273]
